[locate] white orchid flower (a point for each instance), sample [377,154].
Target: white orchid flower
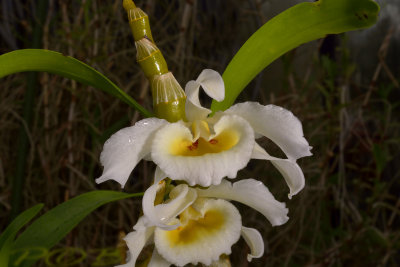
[199,225]
[206,149]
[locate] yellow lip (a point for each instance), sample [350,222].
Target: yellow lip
[196,229]
[185,147]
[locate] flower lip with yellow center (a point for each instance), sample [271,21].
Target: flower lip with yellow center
[197,228]
[224,141]
[204,152]
[208,229]
[204,143]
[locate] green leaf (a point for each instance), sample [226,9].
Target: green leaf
[7,237]
[297,25]
[69,67]
[54,225]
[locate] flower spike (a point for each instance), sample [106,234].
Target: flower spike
[168,96]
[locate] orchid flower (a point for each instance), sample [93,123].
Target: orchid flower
[204,149]
[199,225]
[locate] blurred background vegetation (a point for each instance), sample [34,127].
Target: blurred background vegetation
[344,89]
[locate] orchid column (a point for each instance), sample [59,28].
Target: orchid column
[168,96]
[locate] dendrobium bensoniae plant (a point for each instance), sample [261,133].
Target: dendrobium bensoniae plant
[188,217]
[192,220]
[199,225]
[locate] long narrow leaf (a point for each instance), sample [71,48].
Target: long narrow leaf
[50,228]
[8,236]
[57,63]
[297,25]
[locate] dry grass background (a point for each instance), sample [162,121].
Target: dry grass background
[348,213]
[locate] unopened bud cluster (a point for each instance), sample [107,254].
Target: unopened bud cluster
[168,96]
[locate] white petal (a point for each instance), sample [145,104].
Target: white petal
[254,240]
[193,109]
[158,261]
[289,169]
[252,193]
[180,198]
[208,168]
[276,123]
[213,86]
[203,239]
[136,240]
[124,149]
[149,197]
[212,83]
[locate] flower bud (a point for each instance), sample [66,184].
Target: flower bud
[168,98]
[138,20]
[150,58]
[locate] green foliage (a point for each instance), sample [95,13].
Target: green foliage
[57,63]
[8,236]
[297,25]
[50,228]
